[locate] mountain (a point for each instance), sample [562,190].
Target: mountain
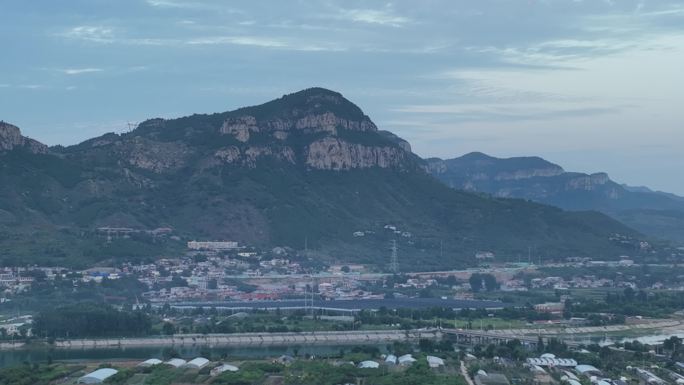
[308,170]
[654,213]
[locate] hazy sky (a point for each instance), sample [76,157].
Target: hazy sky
[594,85]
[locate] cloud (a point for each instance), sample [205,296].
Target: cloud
[105,35]
[263,42]
[31,86]
[78,71]
[190,5]
[497,112]
[371,16]
[239,40]
[96,34]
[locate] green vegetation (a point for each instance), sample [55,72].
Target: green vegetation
[90,320]
[36,374]
[632,303]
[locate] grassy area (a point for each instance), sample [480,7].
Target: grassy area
[486,323]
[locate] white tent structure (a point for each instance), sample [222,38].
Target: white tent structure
[406,359]
[368,365]
[98,376]
[150,362]
[434,362]
[391,360]
[223,368]
[176,362]
[197,363]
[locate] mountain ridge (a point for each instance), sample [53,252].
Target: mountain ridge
[307,168]
[654,213]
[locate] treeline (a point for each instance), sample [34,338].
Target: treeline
[90,320]
[632,302]
[483,281]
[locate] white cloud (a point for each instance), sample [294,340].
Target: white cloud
[31,86]
[371,16]
[204,6]
[263,42]
[78,71]
[239,40]
[97,34]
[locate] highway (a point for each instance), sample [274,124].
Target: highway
[350,305]
[254,339]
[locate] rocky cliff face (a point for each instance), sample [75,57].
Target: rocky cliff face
[588,182]
[321,118]
[335,154]
[11,138]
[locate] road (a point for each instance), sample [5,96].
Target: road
[573,331]
[464,372]
[254,339]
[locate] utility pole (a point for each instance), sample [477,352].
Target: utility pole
[394,261]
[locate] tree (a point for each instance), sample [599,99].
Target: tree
[168,329]
[540,345]
[490,282]
[475,281]
[629,294]
[212,284]
[672,343]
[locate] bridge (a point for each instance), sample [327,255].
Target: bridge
[482,337]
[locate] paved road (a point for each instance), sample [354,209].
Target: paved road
[349,305]
[660,324]
[255,339]
[464,372]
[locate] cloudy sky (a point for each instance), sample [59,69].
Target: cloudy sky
[594,85]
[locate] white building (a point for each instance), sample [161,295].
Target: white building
[223,368]
[197,363]
[368,365]
[391,360]
[406,360]
[176,362]
[98,376]
[434,362]
[150,362]
[213,245]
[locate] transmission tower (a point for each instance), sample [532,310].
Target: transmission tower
[394,260]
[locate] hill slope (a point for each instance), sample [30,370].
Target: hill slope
[308,168]
[655,213]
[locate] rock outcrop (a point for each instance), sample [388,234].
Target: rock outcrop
[11,138]
[335,154]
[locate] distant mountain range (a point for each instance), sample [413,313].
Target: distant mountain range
[654,213]
[308,171]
